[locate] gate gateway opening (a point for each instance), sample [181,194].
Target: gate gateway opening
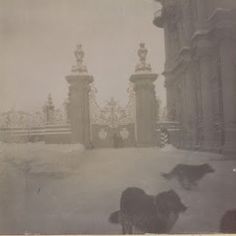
[112,125]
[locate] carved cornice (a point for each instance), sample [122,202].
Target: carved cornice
[170,15]
[223,23]
[220,25]
[143,78]
[143,81]
[78,79]
[205,42]
[144,86]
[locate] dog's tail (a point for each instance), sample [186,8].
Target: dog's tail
[114,217]
[166,175]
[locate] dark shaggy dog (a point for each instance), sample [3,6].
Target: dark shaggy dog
[149,214]
[228,222]
[188,175]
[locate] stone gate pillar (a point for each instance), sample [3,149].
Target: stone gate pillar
[78,110]
[146,103]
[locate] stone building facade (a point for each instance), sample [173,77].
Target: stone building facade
[200,71]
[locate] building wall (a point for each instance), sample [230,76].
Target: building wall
[200,70]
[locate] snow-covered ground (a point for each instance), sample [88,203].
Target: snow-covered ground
[61,189]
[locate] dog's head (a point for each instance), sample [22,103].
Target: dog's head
[208,168]
[169,201]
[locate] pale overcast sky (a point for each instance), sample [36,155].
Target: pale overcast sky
[38,38]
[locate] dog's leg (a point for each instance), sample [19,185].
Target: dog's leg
[123,222]
[173,217]
[130,228]
[125,227]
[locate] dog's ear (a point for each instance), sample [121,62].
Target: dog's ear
[171,191]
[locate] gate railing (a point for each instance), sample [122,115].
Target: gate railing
[20,126]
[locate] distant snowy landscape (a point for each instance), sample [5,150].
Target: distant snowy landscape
[61,189]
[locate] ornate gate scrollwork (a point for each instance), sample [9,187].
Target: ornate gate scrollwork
[112,114]
[112,121]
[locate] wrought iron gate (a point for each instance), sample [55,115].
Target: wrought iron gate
[112,125]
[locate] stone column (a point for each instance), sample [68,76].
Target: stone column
[198,100]
[145,97]
[228,78]
[191,105]
[79,81]
[206,53]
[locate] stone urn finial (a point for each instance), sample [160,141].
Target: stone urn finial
[142,66]
[79,55]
